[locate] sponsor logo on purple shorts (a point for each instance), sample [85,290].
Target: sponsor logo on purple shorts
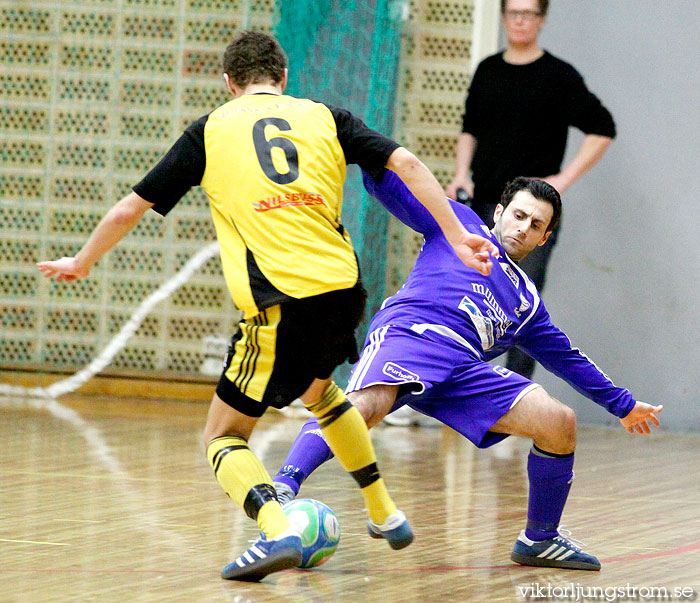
[503,372]
[400,374]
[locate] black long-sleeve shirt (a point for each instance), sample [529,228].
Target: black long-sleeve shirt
[520,116]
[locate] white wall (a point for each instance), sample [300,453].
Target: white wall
[624,280]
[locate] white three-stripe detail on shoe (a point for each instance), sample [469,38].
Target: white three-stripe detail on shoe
[548,551]
[257,551]
[247,557]
[556,553]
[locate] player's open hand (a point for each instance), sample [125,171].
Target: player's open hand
[65,269]
[638,417]
[476,252]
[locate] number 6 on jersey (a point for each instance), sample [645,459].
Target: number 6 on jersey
[264,146]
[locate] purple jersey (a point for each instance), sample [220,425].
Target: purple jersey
[483,315]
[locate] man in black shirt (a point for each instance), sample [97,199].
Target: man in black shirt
[520,105]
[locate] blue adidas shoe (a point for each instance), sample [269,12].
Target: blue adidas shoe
[396,530]
[265,557]
[561,551]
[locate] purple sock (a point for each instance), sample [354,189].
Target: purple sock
[550,481]
[308,452]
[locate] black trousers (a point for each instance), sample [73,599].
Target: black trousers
[535,266]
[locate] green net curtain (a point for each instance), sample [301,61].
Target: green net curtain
[346,53]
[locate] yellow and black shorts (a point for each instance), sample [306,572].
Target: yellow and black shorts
[277,354]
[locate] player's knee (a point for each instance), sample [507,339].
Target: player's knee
[210,433]
[320,388]
[218,427]
[224,420]
[365,408]
[566,427]
[374,402]
[555,430]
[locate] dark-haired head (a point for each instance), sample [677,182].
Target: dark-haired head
[254,57]
[540,190]
[543,6]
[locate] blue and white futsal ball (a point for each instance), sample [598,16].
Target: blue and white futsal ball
[319,529]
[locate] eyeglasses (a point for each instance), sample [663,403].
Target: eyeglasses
[527,15]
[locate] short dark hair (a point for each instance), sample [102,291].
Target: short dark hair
[540,190]
[254,57]
[544,6]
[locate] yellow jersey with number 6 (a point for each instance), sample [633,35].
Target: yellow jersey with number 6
[274,176]
[273,167]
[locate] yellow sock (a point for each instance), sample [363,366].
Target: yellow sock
[347,436]
[272,520]
[243,477]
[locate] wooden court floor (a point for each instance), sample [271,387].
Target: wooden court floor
[112,500]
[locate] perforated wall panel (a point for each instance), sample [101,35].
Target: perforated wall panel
[92,93]
[435,78]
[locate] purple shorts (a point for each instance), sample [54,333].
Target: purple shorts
[441,379]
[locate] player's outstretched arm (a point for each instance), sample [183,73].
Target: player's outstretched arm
[637,419]
[473,250]
[116,223]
